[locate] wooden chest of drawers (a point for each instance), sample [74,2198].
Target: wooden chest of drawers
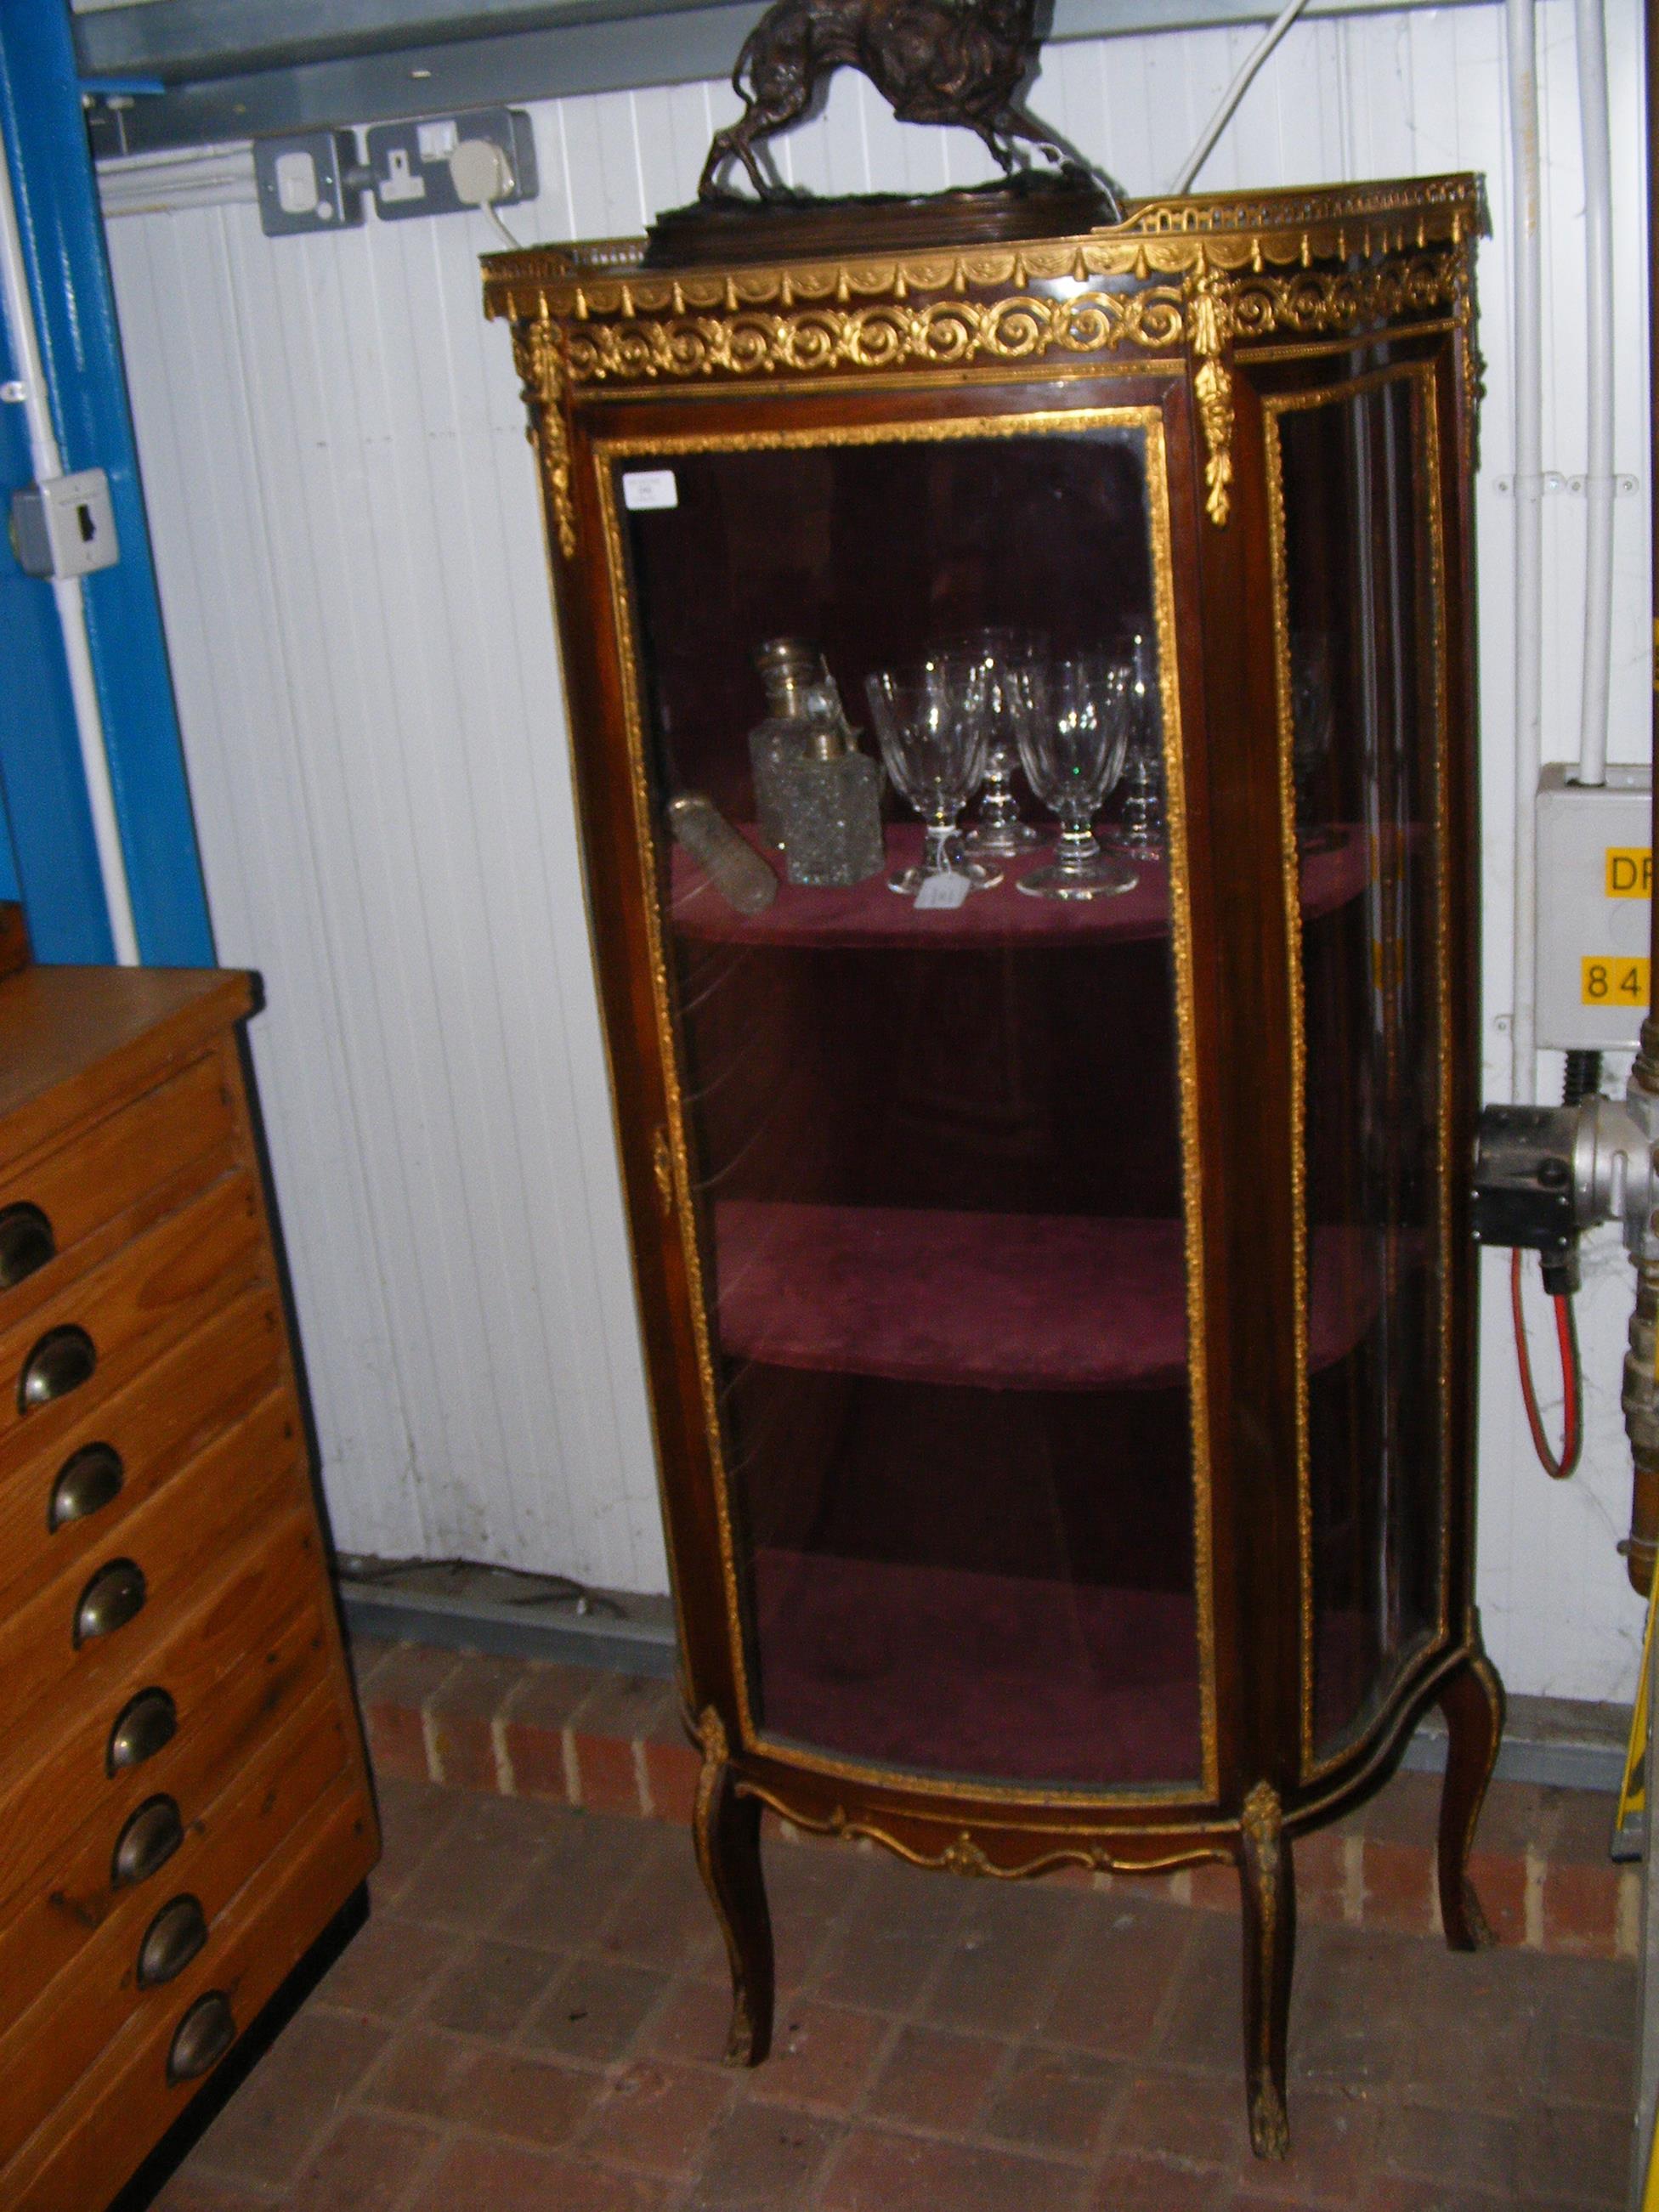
[184,1800]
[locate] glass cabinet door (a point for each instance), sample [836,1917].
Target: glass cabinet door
[1354,471]
[942,1182]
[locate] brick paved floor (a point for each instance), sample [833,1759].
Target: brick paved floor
[612,1743]
[531,2022]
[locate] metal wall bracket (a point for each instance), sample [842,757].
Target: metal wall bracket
[1554,482]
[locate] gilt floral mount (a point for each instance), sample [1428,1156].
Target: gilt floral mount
[1215,276]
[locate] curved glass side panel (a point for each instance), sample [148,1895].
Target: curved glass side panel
[1362,716]
[936,1148]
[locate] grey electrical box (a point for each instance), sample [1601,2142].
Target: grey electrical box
[307,183]
[412,161]
[66,526]
[1595,896]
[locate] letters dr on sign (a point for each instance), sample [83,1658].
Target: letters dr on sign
[1629,871]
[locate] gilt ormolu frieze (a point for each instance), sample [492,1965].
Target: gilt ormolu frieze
[1401,257]
[1213,277]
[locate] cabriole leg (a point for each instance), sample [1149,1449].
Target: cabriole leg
[726,1829]
[1472,1703]
[1267,1881]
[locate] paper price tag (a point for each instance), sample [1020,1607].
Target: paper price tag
[648,488]
[942,893]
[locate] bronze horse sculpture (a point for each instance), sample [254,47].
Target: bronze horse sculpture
[933,61]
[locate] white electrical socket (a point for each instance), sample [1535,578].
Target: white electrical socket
[400,181]
[449,164]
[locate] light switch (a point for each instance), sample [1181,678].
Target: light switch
[296,182]
[308,182]
[65,527]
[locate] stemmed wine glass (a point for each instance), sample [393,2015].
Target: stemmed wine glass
[930,723]
[1074,727]
[998,833]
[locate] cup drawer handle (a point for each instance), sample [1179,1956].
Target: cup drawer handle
[26,1244]
[63,1360]
[142,1727]
[147,1843]
[202,2037]
[86,1482]
[114,1596]
[171,1941]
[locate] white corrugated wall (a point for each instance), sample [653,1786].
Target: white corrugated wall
[351,568]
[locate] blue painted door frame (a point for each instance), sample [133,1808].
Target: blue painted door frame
[54,869]
[52,182]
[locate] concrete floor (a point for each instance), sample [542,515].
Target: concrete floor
[533,2019]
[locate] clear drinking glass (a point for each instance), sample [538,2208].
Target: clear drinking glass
[1313,722]
[1139,829]
[931,726]
[1074,728]
[998,833]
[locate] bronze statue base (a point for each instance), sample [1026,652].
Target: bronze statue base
[798,225]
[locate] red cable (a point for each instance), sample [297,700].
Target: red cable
[1572,1423]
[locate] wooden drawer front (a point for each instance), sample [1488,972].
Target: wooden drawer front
[94,2139]
[154,1292]
[155,1426]
[52,2043]
[70,1895]
[171,1550]
[226,1653]
[106,1181]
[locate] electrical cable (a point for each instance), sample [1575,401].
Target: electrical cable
[1572,1385]
[363,1573]
[1235,92]
[490,209]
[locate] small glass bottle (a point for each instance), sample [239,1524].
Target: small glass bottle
[788,669]
[1140,827]
[831,803]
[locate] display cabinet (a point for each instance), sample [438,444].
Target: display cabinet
[1058,1312]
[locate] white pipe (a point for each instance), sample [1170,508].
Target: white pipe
[1529,534]
[1235,92]
[47,462]
[1599,477]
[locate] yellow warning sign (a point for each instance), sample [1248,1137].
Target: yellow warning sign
[1629,871]
[1621,982]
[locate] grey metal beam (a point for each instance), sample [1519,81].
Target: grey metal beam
[188,41]
[240,69]
[630,1647]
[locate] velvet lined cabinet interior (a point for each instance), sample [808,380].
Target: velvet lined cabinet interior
[1058,1313]
[184,1800]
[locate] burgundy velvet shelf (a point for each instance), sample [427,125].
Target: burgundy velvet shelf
[999,1676]
[999,1301]
[869,916]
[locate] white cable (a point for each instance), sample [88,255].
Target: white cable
[1592,40]
[490,209]
[47,462]
[1520,31]
[1235,92]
